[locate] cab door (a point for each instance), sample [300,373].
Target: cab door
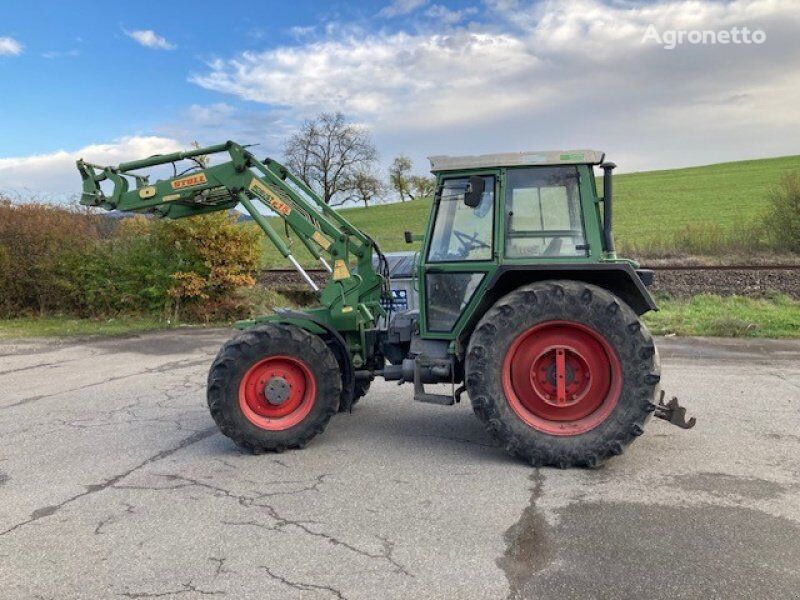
[459,252]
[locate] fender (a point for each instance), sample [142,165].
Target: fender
[621,279]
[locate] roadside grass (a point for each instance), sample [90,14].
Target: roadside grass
[54,327]
[777,316]
[708,210]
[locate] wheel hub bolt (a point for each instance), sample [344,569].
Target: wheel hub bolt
[276,392]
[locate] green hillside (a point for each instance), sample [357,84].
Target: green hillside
[652,208]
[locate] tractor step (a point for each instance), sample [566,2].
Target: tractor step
[420,395]
[441,399]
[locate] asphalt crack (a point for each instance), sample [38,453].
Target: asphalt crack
[178,364]
[129,510]
[220,568]
[46,511]
[303,586]
[186,588]
[280,522]
[28,368]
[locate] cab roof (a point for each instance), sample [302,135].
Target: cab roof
[516,159]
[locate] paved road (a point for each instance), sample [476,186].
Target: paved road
[115,483]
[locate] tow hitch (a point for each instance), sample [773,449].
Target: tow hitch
[673,412]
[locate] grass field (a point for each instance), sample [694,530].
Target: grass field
[734,316]
[654,210]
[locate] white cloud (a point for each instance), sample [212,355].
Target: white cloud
[150,39]
[401,7]
[379,76]
[300,32]
[444,15]
[215,123]
[52,54]
[55,173]
[10,47]
[548,73]
[210,114]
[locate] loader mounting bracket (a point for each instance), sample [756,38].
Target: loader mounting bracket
[673,412]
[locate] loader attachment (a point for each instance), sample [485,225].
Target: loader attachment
[352,296]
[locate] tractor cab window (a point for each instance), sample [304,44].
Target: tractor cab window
[461,232]
[543,213]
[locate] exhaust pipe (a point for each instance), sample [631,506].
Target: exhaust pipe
[608,235]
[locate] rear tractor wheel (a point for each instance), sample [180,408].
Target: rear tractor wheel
[273,387]
[562,373]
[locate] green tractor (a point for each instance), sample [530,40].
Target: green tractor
[522,303]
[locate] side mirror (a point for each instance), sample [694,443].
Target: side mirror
[475,189]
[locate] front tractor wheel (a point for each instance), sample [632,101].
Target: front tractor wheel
[273,387]
[562,373]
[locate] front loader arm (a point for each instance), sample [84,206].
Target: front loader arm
[352,295]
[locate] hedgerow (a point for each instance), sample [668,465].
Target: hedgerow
[56,260]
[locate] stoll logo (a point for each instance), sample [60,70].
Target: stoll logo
[670,39]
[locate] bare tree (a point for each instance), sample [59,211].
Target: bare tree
[398,176]
[363,186]
[421,186]
[326,153]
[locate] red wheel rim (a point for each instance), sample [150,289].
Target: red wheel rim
[562,377]
[277,392]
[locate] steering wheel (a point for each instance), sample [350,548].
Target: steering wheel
[469,242]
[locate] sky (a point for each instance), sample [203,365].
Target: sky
[115,81]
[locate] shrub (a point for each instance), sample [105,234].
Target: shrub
[783,218]
[36,243]
[57,260]
[215,256]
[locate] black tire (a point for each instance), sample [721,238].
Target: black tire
[239,354]
[589,306]
[360,389]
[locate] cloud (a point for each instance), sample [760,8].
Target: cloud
[444,15]
[299,32]
[55,173]
[52,54]
[10,47]
[548,73]
[401,7]
[150,39]
[215,123]
[379,77]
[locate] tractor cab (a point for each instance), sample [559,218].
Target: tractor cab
[539,204]
[500,220]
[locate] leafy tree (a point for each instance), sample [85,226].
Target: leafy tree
[327,152]
[365,187]
[421,185]
[399,176]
